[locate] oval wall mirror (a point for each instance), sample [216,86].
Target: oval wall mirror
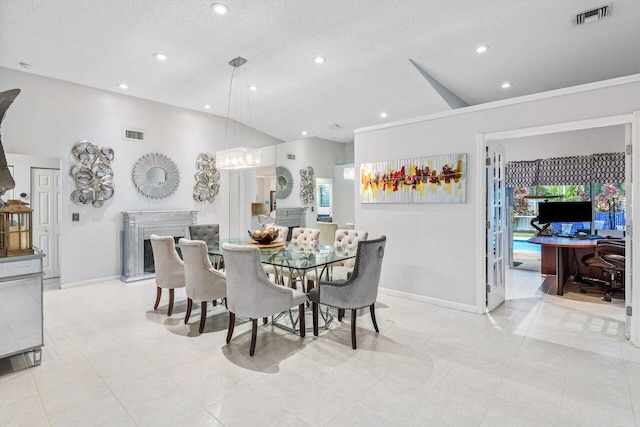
[284,182]
[155,176]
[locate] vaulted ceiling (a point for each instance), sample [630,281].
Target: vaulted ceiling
[367,44]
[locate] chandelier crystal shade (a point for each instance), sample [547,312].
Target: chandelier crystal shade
[239,158]
[242,157]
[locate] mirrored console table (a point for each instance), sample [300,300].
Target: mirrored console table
[21,313]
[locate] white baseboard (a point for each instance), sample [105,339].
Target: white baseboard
[88,282]
[429,300]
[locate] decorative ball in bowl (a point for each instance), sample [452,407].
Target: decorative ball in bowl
[264,237]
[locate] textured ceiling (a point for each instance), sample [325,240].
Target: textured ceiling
[367,43]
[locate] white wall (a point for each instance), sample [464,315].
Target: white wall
[343,189]
[608,139]
[432,248]
[318,153]
[50,116]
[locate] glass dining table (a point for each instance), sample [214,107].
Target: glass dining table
[291,260]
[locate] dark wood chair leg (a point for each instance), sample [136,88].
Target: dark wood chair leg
[265,320]
[232,324]
[189,307]
[314,308]
[372,308]
[340,314]
[203,315]
[301,317]
[170,310]
[254,334]
[353,328]
[158,295]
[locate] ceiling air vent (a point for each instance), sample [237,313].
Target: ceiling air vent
[593,14]
[134,135]
[333,126]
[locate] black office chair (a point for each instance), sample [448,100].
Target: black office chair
[609,257]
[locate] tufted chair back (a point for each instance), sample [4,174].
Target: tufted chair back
[169,267]
[282,232]
[348,240]
[205,232]
[327,232]
[305,236]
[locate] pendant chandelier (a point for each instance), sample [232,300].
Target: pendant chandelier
[241,157]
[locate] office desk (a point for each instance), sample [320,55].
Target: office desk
[560,245]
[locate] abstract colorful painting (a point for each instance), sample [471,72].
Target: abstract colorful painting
[437,179]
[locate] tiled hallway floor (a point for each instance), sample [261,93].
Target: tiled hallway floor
[538,360]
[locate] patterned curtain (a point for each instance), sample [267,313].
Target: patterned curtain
[565,170]
[522,174]
[608,167]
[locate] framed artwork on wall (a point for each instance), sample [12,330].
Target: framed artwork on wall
[436,179]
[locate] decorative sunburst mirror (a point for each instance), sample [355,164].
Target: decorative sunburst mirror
[155,176]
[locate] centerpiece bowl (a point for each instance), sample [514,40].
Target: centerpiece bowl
[264,237]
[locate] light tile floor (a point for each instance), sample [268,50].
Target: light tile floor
[538,360]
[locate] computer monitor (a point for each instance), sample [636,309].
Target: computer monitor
[564,212]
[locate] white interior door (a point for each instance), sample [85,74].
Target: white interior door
[45,202]
[496,215]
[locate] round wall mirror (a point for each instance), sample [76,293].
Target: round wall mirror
[155,176]
[284,182]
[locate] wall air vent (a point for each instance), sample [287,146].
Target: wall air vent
[134,135]
[593,14]
[291,156]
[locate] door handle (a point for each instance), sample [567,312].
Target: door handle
[46,231]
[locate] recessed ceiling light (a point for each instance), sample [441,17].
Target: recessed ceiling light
[506,85]
[304,132]
[207,106]
[319,59]
[253,88]
[25,65]
[220,8]
[482,49]
[383,115]
[160,56]
[123,86]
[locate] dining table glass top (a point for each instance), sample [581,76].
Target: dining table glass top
[291,255]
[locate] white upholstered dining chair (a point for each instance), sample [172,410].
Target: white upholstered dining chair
[203,283]
[169,268]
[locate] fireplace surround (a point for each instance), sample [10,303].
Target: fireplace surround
[138,228]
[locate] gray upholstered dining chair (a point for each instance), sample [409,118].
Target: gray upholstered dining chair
[209,233]
[251,294]
[346,241]
[206,232]
[358,291]
[202,282]
[169,268]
